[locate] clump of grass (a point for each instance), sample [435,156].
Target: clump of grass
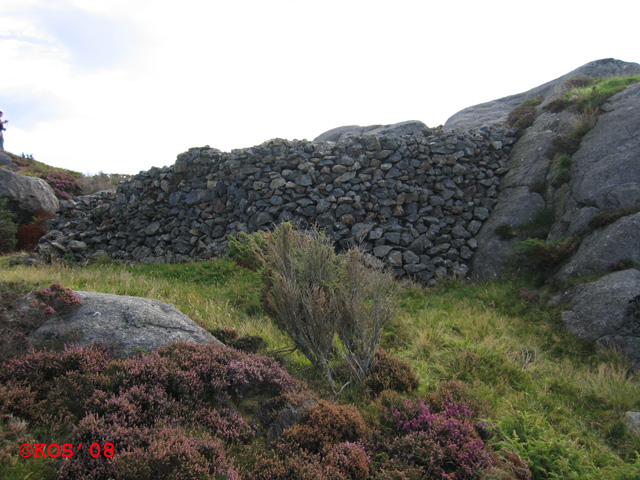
[560,170]
[586,95]
[543,256]
[607,217]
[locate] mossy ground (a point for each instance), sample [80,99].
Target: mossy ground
[556,400]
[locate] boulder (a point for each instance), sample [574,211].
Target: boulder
[632,420]
[606,311]
[127,324]
[26,195]
[607,246]
[340,134]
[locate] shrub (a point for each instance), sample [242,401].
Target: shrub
[524,114]
[8,229]
[444,445]
[324,425]
[244,249]
[313,294]
[57,298]
[388,373]
[543,256]
[172,413]
[585,94]
[101,181]
[247,343]
[606,217]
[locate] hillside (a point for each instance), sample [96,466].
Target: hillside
[512,349]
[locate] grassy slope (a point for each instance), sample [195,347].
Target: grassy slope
[554,399]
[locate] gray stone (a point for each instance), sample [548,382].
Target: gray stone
[340,134]
[152,228]
[128,324]
[26,195]
[617,242]
[361,230]
[632,420]
[607,311]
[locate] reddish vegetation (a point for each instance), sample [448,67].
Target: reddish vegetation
[196,411]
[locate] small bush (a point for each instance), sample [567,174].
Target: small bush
[543,256]
[443,445]
[57,298]
[388,373]
[8,229]
[247,343]
[244,249]
[101,181]
[564,145]
[324,425]
[313,294]
[524,114]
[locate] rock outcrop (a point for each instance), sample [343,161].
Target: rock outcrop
[401,129]
[604,172]
[26,195]
[126,324]
[606,311]
[497,111]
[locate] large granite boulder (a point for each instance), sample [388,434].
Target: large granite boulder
[340,134]
[606,311]
[127,324]
[600,251]
[26,195]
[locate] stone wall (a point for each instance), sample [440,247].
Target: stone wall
[415,202]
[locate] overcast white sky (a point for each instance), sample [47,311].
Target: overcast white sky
[120,86]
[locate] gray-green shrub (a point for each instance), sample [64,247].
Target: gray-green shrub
[314,295]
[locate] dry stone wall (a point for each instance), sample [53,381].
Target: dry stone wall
[416,202]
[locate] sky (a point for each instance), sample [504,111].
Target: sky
[120,86]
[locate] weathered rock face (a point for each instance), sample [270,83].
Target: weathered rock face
[497,111]
[415,202]
[603,249]
[26,195]
[604,173]
[127,324]
[607,311]
[340,134]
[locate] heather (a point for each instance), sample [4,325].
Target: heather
[488,363]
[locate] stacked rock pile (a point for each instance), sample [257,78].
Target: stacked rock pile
[415,202]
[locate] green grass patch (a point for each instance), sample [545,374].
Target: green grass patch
[558,401]
[587,95]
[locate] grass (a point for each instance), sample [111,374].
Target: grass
[556,400]
[590,94]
